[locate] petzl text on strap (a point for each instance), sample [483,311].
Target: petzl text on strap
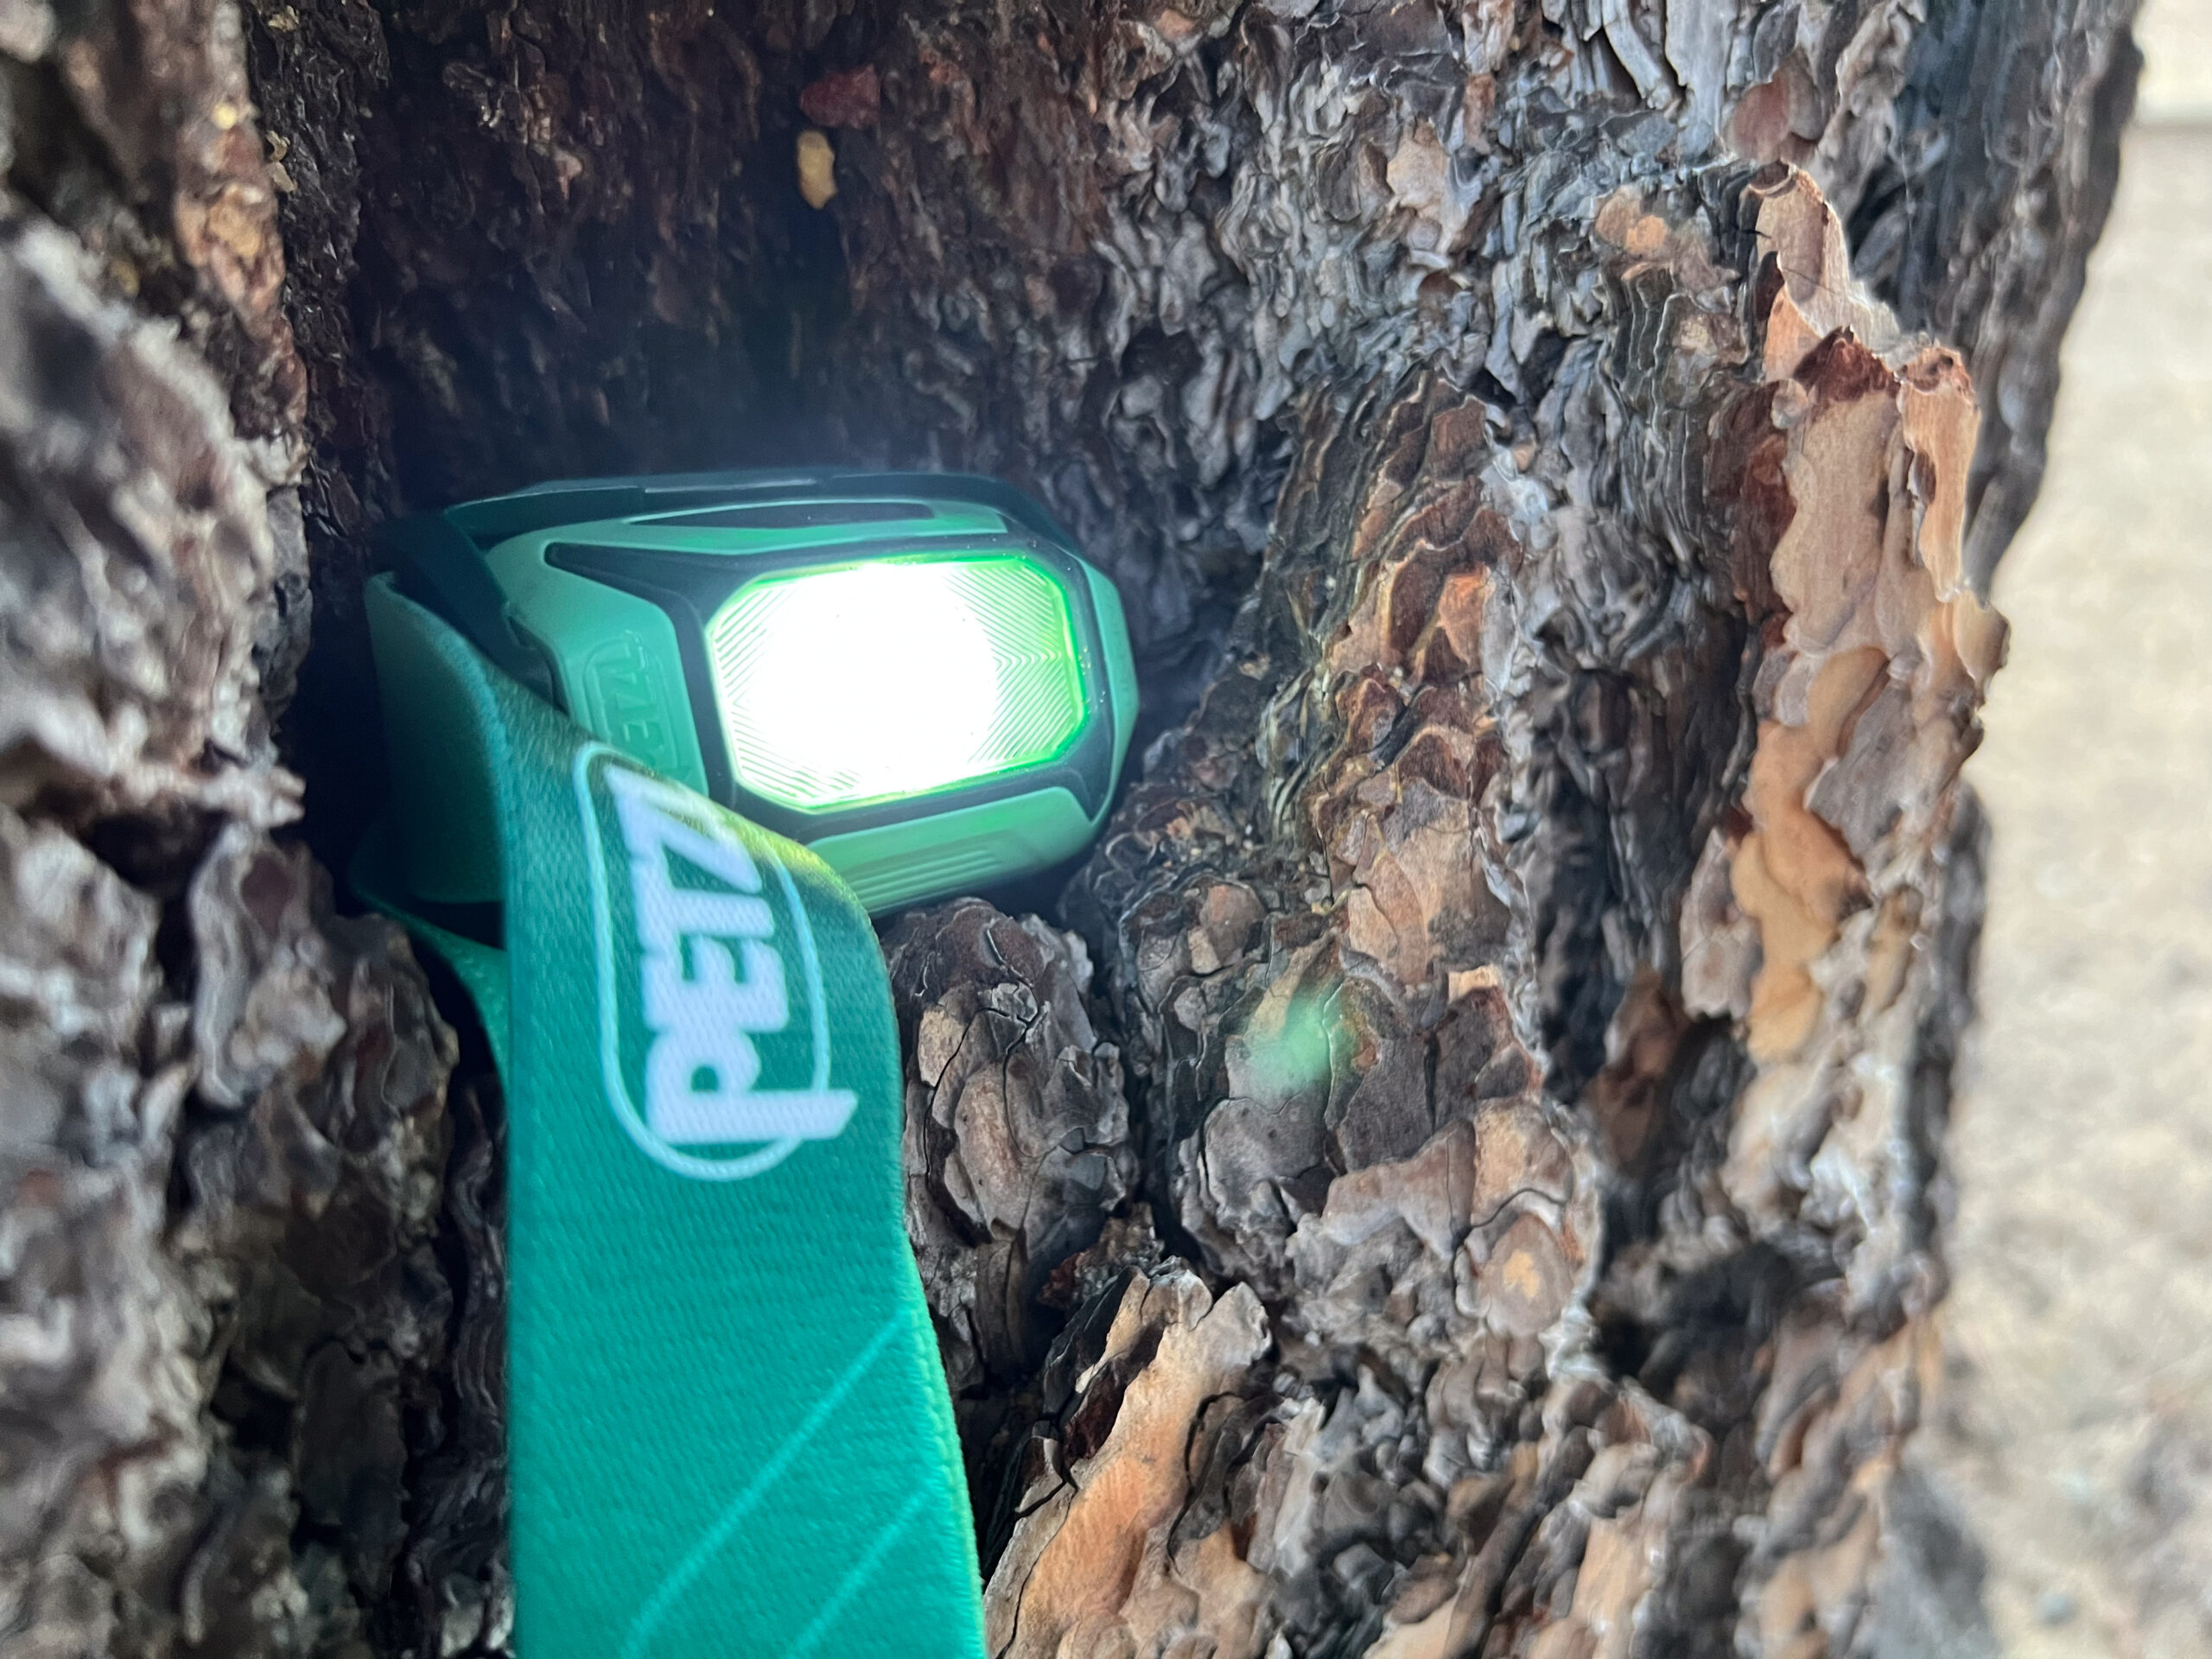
[728,1433]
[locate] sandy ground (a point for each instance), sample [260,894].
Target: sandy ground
[2076,1430]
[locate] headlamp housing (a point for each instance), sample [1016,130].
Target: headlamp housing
[915,674]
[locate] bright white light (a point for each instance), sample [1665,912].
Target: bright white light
[893,678]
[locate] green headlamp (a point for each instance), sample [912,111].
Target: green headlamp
[613,712]
[914,675]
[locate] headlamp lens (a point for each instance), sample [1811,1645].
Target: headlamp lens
[865,683]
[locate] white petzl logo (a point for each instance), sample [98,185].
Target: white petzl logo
[710,976]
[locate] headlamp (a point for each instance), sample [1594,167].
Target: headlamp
[728,1425]
[914,675]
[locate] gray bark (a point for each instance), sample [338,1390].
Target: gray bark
[1458,1170]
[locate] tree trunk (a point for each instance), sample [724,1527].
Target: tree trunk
[1460,1169]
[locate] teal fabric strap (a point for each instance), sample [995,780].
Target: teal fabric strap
[728,1431]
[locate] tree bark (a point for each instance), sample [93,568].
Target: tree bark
[1458,1170]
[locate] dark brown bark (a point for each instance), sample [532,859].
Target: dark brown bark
[1470,1180]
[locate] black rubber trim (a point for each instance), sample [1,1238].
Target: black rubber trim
[800,515]
[444,569]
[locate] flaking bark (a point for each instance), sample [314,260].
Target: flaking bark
[1459,1168]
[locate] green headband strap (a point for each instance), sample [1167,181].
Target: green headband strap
[727,1428]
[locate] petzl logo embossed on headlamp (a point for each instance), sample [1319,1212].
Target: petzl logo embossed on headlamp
[915,675]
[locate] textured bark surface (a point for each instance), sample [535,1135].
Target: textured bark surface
[1460,1169]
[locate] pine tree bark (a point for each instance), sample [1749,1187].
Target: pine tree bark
[1460,1169]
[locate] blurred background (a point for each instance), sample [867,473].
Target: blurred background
[2075,1425]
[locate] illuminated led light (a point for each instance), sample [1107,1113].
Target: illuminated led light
[915,675]
[897,677]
